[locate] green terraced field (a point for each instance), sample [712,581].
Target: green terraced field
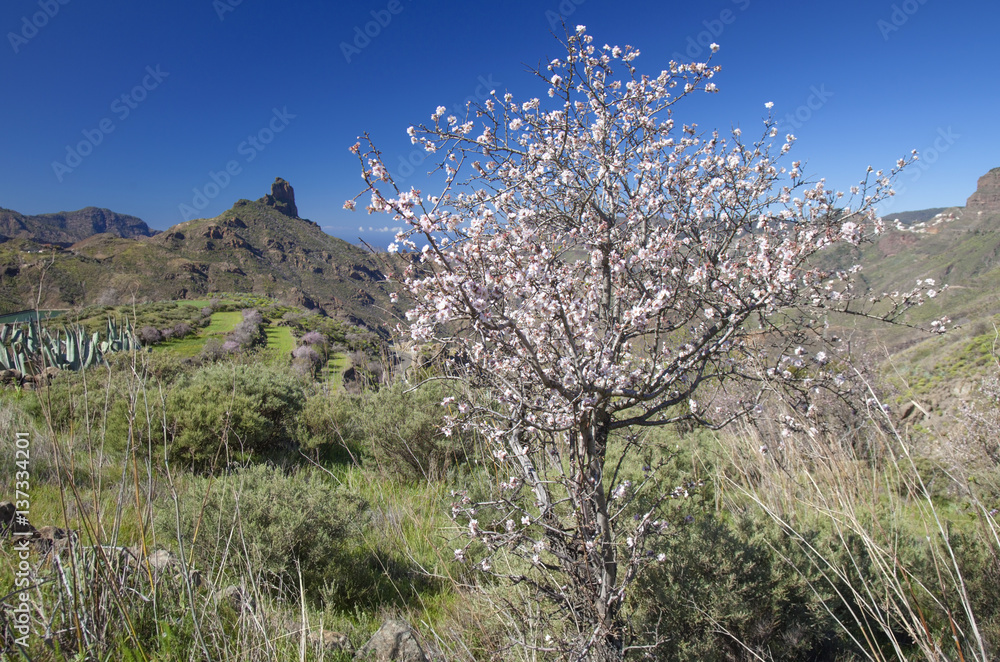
[221,324]
[280,338]
[336,367]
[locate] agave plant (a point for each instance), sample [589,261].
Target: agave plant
[13,357]
[119,338]
[27,346]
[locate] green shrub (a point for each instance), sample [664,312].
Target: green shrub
[401,430]
[224,413]
[979,559]
[140,422]
[167,366]
[738,586]
[327,427]
[723,590]
[264,520]
[61,402]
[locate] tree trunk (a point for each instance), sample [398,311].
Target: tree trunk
[594,439]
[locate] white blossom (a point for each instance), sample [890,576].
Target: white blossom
[592,262]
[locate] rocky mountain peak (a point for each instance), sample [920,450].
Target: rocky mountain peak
[987,195]
[282,198]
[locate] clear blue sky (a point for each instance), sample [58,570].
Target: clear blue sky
[864,81]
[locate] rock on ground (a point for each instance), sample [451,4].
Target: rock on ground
[395,640]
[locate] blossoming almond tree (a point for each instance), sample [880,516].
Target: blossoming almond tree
[596,268]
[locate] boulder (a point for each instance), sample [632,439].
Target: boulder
[162,560]
[41,379]
[10,376]
[51,538]
[328,640]
[9,524]
[317,637]
[238,598]
[164,563]
[395,640]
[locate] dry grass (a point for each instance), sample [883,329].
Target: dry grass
[904,602]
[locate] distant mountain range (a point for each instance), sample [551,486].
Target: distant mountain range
[68,227]
[98,257]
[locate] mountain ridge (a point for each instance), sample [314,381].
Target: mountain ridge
[66,228]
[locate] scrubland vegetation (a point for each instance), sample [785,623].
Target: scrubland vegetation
[329,512]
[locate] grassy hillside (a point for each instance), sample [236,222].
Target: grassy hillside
[962,257]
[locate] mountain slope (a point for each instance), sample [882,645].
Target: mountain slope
[958,247]
[955,247]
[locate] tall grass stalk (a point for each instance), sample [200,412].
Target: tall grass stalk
[895,601]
